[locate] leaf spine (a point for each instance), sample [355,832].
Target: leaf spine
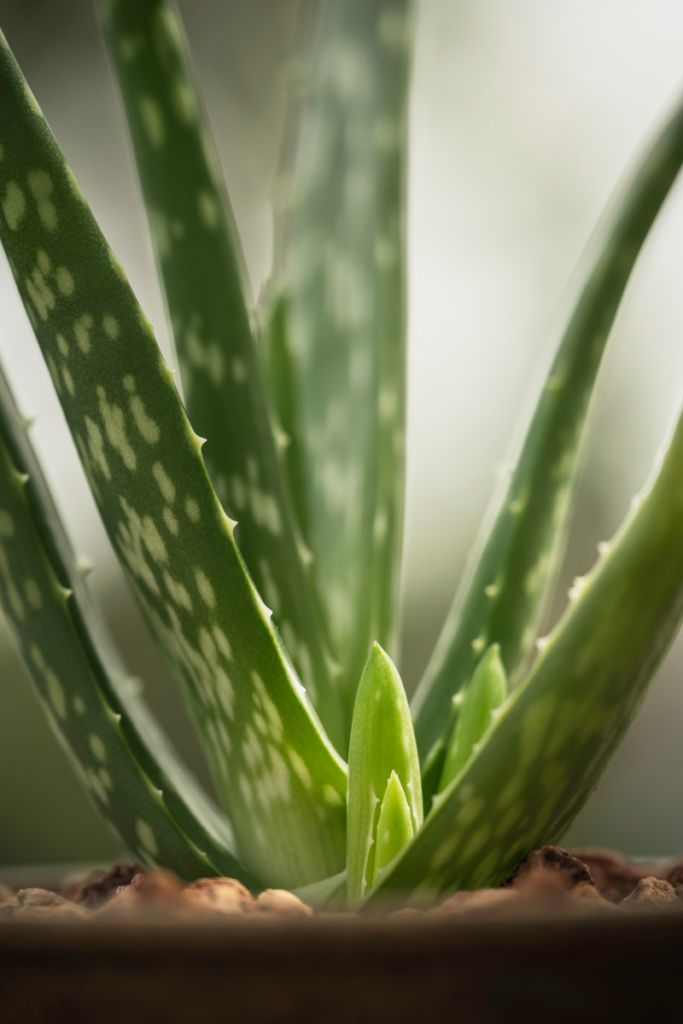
[84,565]
[578,584]
[478,644]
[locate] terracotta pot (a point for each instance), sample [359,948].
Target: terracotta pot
[618,966]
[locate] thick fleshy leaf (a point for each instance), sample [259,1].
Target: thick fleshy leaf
[382,742]
[199,263]
[126,766]
[340,283]
[483,695]
[278,364]
[432,769]
[555,736]
[328,894]
[279,778]
[502,597]
[394,827]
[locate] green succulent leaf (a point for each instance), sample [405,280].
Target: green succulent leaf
[553,739]
[502,597]
[129,772]
[279,367]
[328,894]
[382,743]
[199,262]
[482,697]
[341,279]
[394,826]
[432,769]
[279,779]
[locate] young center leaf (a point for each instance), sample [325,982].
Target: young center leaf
[198,257]
[502,597]
[129,772]
[382,747]
[279,779]
[340,285]
[483,695]
[553,739]
[394,826]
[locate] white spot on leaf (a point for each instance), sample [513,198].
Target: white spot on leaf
[171,521]
[96,446]
[40,185]
[152,121]
[65,281]
[13,205]
[205,589]
[192,509]
[98,748]
[165,483]
[82,328]
[146,837]
[114,425]
[111,326]
[208,210]
[145,424]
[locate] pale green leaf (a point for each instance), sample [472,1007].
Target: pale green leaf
[502,598]
[341,285]
[382,742]
[484,694]
[394,827]
[553,739]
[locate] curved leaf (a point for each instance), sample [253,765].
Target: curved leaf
[199,263]
[502,597]
[485,692]
[553,739]
[280,780]
[127,768]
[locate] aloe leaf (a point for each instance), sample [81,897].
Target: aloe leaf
[382,742]
[341,273]
[552,740]
[328,894]
[486,691]
[502,597]
[278,777]
[277,359]
[205,827]
[394,826]
[199,262]
[128,770]
[432,769]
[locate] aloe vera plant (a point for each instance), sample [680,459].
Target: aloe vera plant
[266,564]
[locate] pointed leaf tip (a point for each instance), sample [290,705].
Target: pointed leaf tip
[382,742]
[394,827]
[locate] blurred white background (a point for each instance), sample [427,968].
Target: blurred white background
[524,118]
